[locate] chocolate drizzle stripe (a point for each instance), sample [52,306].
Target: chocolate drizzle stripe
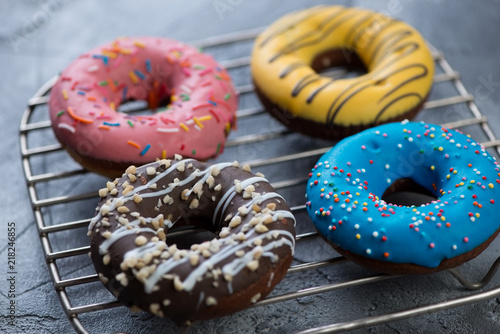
[396,100]
[318,90]
[298,43]
[371,41]
[356,27]
[300,18]
[306,80]
[331,117]
[389,41]
[290,68]
[407,81]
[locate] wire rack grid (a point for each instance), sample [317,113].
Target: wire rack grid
[60,262]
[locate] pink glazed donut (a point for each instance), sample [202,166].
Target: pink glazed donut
[199,94]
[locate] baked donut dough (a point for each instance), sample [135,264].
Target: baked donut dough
[130,248]
[347,184]
[288,56]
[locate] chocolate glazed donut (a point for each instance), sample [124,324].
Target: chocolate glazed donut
[134,259]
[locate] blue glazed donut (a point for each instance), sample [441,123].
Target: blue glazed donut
[345,188]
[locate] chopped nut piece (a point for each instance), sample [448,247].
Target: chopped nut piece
[106,235]
[240,253]
[255,298]
[224,232]
[254,221]
[105,259]
[154,308]
[181,166]
[194,259]
[253,265]
[165,163]
[243,210]
[210,181]
[141,240]
[123,220]
[103,278]
[178,284]
[271,206]
[172,249]
[218,187]
[178,157]
[127,189]
[235,221]
[122,209]
[261,228]
[198,188]
[267,219]
[168,200]
[104,210]
[257,252]
[183,194]
[161,234]
[255,208]
[110,185]
[215,170]
[247,168]
[131,170]
[236,164]
[122,278]
[132,177]
[194,204]
[210,301]
[103,192]
[150,171]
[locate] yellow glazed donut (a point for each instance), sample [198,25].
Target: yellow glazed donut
[288,56]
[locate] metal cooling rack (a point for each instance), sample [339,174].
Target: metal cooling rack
[37,183]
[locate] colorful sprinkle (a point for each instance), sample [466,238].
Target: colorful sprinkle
[144,151]
[184,127]
[134,144]
[78,118]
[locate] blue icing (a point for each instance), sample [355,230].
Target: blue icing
[346,185]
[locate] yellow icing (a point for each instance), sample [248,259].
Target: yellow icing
[399,65]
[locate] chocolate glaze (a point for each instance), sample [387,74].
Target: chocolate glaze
[136,262]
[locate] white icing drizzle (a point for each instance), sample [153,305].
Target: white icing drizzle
[232,268]
[229,195]
[121,232]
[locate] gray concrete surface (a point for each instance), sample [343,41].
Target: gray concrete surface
[39,38]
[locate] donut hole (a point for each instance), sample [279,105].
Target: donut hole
[146,98]
[186,236]
[142,107]
[339,63]
[407,192]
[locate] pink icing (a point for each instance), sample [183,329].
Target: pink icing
[202,107]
